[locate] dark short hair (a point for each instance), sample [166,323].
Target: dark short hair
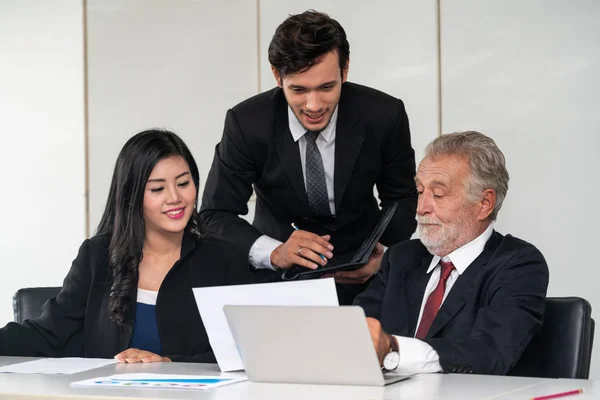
[303,39]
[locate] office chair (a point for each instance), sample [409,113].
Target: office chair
[563,348]
[28,302]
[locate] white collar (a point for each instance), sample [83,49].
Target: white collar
[465,255]
[298,130]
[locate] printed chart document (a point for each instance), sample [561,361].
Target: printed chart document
[57,365]
[159,381]
[210,301]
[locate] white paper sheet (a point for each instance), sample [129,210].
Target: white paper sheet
[210,301]
[57,365]
[159,381]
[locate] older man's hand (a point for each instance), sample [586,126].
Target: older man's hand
[362,274]
[381,340]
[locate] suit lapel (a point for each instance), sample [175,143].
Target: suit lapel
[348,142]
[288,151]
[463,288]
[414,286]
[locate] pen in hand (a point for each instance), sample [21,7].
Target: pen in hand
[296,228]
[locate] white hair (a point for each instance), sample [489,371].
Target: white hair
[487,166]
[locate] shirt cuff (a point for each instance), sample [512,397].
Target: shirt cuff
[417,357]
[260,252]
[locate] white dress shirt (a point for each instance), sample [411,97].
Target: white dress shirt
[416,356]
[260,252]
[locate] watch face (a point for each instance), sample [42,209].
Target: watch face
[391,360]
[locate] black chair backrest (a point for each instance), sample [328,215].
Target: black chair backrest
[563,348]
[28,302]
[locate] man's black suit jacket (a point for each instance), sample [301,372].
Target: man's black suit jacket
[490,315]
[372,147]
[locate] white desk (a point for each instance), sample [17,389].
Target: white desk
[428,387]
[552,386]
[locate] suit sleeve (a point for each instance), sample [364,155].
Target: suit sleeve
[58,331]
[511,315]
[236,273]
[397,181]
[207,357]
[372,298]
[229,187]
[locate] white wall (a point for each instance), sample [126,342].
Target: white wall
[42,150]
[526,73]
[152,63]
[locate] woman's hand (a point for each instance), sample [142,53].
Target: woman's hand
[131,356]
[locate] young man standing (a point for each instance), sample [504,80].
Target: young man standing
[313,148]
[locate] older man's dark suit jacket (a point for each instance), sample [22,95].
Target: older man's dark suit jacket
[490,315]
[372,147]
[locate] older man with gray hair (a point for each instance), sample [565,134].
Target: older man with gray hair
[463,298]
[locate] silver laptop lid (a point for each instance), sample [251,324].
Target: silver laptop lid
[317,345]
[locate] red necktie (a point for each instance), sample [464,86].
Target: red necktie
[434,301]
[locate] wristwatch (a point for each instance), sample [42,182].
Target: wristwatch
[392,359]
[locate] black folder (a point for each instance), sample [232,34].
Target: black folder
[360,258]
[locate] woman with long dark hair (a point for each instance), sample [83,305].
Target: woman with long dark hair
[128,294]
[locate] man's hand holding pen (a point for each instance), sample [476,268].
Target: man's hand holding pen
[303,248]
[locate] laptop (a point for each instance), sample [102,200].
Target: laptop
[360,258]
[313,345]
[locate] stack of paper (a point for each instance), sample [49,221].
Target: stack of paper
[57,365]
[210,301]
